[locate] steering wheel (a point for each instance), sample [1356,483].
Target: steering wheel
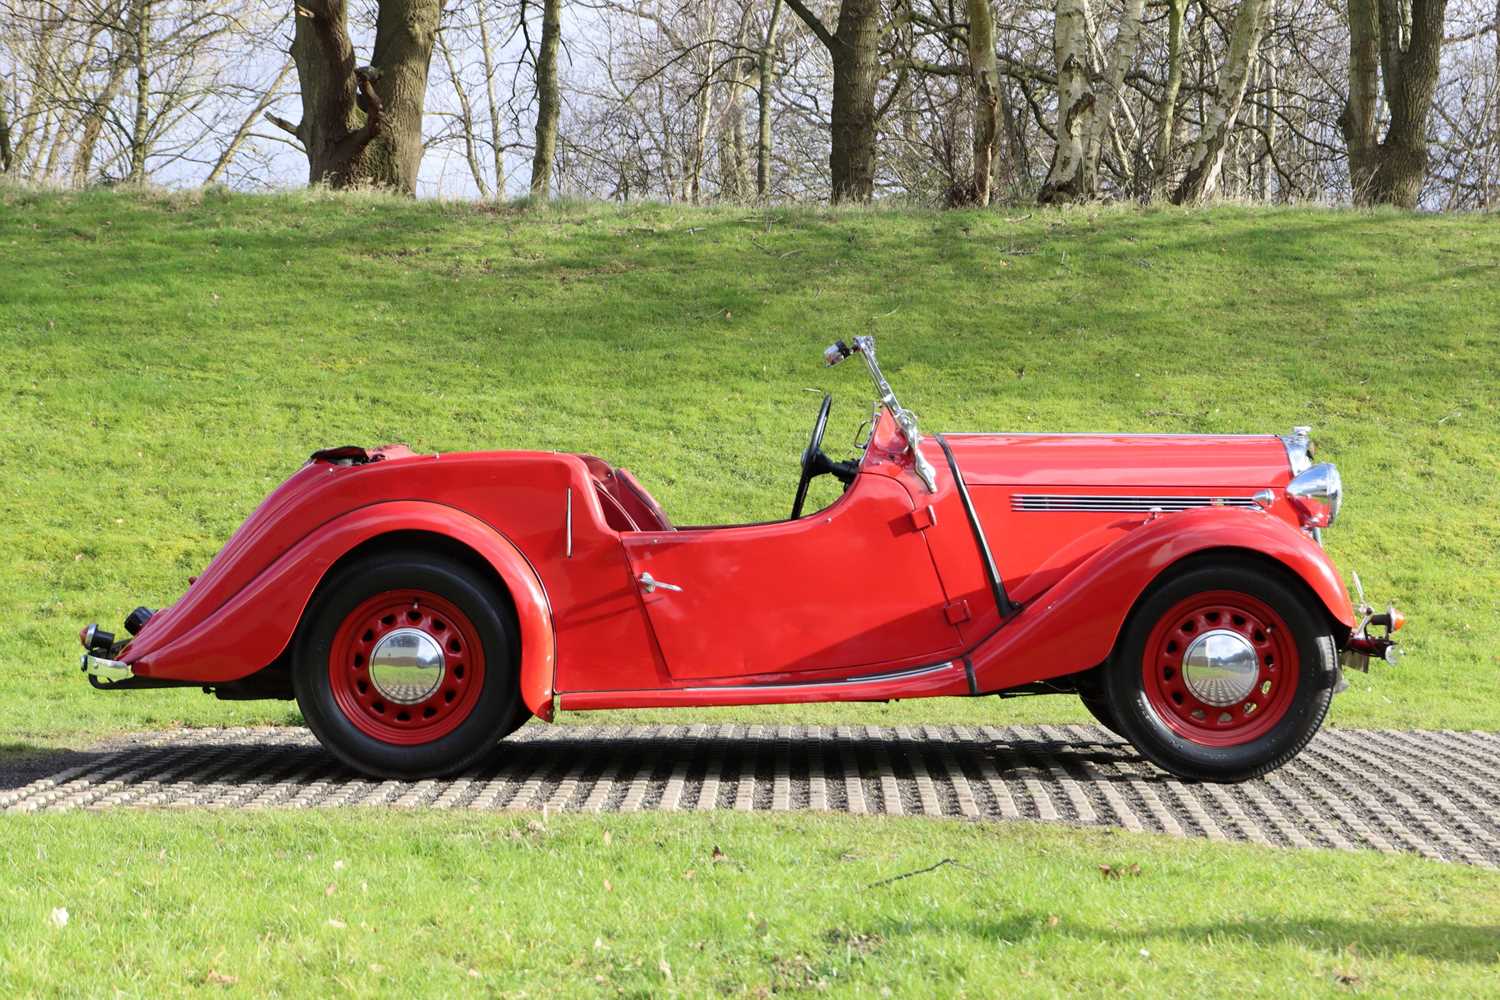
[814,462]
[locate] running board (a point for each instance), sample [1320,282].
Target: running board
[951,677]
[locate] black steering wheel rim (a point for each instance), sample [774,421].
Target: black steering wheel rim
[813,461]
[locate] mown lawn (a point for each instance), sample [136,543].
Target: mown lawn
[167,360]
[392,904]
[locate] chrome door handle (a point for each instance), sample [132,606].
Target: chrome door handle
[651,584]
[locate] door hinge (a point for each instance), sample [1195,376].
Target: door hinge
[923,518]
[956,612]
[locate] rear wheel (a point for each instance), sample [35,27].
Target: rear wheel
[1092,693]
[1223,673]
[1101,712]
[405,665]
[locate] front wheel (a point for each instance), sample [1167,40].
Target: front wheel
[1224,673]
[405,665]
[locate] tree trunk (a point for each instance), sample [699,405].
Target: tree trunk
[763,105]
[139,138]
[1223,108]
[1122,52]
[1399,45]
[1268,162]
[363,126]
[93,122]
[1166,108]
[1015,169]
[854,49]
[703,106]
[734,160]
[38,105]
[1074,100]
[986,96]
[496,147]
[72,91]
[405,32]
[856,76]
[548,100]
[1359,120]
[4,132]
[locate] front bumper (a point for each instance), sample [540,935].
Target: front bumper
[1373,638]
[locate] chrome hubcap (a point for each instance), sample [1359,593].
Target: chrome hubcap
[1220,667]
[406,666]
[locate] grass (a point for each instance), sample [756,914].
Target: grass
[384,903]
[168,359]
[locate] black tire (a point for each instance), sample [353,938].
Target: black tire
[495,711]
[1091,692]
[1145,726]
[1101,711]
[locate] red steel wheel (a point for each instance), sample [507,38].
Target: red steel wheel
[406,667]
[1220,668]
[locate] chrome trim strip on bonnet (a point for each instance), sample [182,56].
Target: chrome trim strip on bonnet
[1122,503]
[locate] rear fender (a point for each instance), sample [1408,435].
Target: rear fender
[1074,625]
[255,626]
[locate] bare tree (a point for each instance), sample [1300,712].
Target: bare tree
[487,52]
[5,153]
[548,99]
[986,83]
[854,49]
[930,100]
[734,159]
[1100,118]
[1394,44]
[467,125]
[1166,105]
[1074,100]
[1084,116]
[237,141]
[767,65]
[1222,108]
[140,139]
[363,125]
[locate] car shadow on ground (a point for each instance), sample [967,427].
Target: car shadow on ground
[293,756]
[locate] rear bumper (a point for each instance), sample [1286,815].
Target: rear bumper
[102,669]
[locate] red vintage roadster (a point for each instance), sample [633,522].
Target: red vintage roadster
[421,607]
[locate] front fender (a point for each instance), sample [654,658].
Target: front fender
[254,626]
[1075,624]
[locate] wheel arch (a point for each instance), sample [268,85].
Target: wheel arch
[1077,623]
[254,629]
[425,540]
[1245,556]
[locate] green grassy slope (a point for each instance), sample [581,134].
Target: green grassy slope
[364,903]
[167,361]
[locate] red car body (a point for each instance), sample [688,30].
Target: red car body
[885,594]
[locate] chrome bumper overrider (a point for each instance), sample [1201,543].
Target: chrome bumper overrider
[104,669]
[1361,649]
[1363,645]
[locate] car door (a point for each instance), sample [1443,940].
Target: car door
[848,590]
